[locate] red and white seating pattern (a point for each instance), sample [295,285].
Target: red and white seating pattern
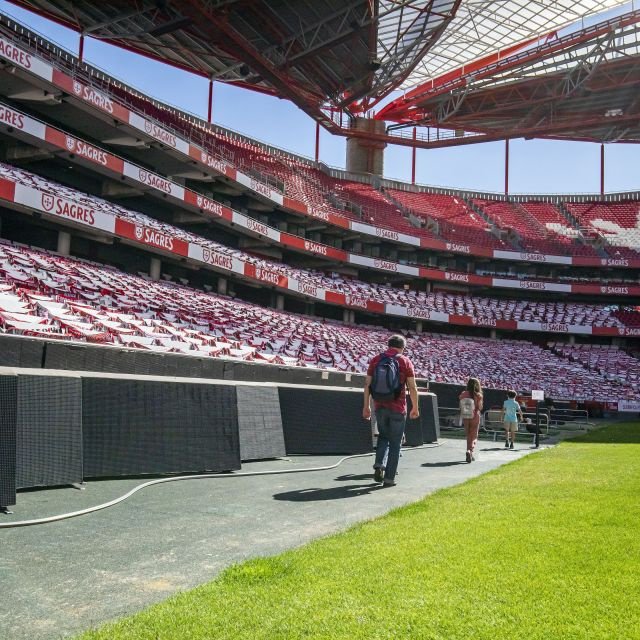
[520,310]
[618,223]
[552,236]
[541,227]
[611,362]
[453,304]
[561,236]
[456,221]
[42,294]
[504,364]
[629,316]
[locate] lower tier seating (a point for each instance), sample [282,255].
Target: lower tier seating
[610,362]
[45,295]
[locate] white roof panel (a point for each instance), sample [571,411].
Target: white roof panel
[483,27]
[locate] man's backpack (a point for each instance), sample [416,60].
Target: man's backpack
[385,382]
[467,408]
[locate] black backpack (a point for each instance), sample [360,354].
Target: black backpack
[385,382]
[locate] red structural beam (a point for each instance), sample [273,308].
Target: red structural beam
[409,97]
[400,110]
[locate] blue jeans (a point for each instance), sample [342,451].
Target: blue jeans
[390,429]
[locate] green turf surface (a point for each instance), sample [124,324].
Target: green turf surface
[547,547]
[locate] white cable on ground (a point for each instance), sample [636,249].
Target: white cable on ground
[112,503]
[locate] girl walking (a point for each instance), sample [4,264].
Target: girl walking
[470,411]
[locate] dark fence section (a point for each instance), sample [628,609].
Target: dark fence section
[429,417]
[134,426]
[426,428]
[16,351]
[8,414]
[58,428]
[317,420]
[259,422]
[51,354]
[448,395]
[48,431]
[413,429]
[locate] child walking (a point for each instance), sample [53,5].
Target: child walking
[510,413]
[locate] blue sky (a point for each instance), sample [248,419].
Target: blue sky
[536,166]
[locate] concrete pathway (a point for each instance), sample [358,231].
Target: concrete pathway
[59,579]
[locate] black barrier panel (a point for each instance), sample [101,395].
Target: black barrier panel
[147,363]
[49,431]
[317,421]
[429,417]
[66,357]
[119,361]
[260,423]
[493,398]
[413,432]
[134,427]
[181,366]
[413,428]
[448,395]
[94,357]
[21,352]
[212,368]
[8,412]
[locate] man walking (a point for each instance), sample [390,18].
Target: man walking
[388,376]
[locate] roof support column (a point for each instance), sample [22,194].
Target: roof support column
[366,156]
[506,167]
[413,159]
[317,141]
[81,47]
[602,169]
[210,102]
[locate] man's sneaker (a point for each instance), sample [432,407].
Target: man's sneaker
[468,456]
[389,483]
[378,474]
[511,447]
[506,444]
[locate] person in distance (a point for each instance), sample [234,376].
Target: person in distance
[388,377]
[510,413]
[470,412]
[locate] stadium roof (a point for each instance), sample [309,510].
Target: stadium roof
[478,69]
[584,86]
[314,52]
[484,27]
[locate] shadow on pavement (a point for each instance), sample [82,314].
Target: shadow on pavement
[451,463]
[353,476]
[334,493]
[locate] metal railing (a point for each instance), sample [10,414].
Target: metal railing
[493,424]
[563,419]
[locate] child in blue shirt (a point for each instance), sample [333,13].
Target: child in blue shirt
[510,413]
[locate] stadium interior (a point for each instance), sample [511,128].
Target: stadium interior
[129,223]
[187,307]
